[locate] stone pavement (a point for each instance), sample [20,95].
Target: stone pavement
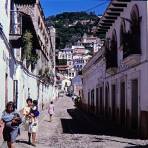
[72,128]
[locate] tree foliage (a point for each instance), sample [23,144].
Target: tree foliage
[70,26]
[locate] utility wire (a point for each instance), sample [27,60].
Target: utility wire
[98,5]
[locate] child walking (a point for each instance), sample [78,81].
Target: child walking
[51,111]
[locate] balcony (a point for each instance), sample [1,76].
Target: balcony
[24,1]
[132,59]
[111,62]
[111,70]
[131,49]
[15,25]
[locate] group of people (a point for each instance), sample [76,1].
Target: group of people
[12,121]
[30,120]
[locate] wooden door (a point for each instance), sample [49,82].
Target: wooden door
[113,101]
[101,100]
[106,100]
[134,104]
[97,101]
[15,92]
[122,103]
[6,88]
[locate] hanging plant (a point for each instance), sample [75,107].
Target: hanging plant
[28,53]
[27,45]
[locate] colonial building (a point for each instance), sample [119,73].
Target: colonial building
[92,43]
[123,92]
[93,83]
[7,60]
[77,85]
[26,49]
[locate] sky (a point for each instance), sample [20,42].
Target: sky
[53,7]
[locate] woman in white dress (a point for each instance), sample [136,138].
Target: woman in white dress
[51,111]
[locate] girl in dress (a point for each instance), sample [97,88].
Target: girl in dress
[51,111]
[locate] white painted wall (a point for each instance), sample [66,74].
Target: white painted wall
[5,58]
[15,72]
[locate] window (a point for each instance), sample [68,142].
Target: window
[92,100]
[135,28]
[132,38]
[122,32]
[111,51]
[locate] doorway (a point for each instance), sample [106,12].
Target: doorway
[134,103]
[122,103]
[6,88]
[15,92]
[97,101]
[113,101]
[101,100]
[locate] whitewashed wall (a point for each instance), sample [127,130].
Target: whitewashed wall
[6,62]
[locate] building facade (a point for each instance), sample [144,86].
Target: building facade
[123,96]
[92,43]
[7,60]
[20,35]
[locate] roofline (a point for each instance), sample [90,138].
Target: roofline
[112,12]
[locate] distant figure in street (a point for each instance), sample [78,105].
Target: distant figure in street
[51,111]
[11,120]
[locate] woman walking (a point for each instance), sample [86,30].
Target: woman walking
[51,111]
[11,120]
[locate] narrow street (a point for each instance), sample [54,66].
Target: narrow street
[71,128]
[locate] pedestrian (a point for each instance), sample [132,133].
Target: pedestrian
[27,118]
[34,113]
[11,120]
[51,111]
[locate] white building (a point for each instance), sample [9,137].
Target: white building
[18,82]
[92,43]
[7,61]
[123,89]
[93,81]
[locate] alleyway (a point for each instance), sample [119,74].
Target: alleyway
[71,128]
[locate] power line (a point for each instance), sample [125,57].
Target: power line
[98,5]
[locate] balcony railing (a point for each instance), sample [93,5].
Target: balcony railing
[15,23]
[131,44]
[24,1]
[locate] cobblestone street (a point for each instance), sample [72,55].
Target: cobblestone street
[71,128]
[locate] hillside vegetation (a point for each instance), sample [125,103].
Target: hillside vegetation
[70,26]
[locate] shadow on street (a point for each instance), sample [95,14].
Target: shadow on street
[87,124]
[139,146]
